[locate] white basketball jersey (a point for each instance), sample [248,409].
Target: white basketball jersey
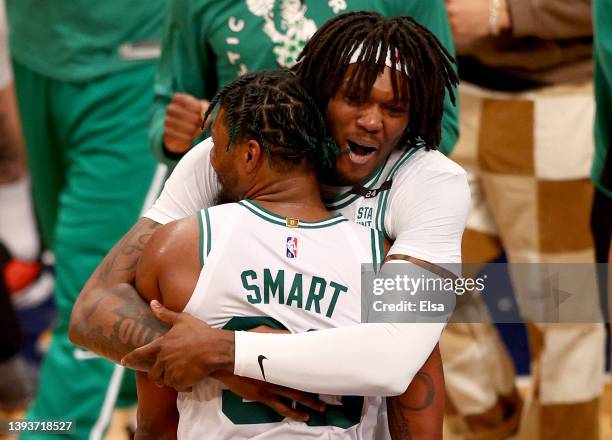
[261,268]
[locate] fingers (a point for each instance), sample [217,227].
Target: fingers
[185,107]
[182,122]
[180,118]
[142,358]
[287,411]
[176,141]
[187,101]
[181,128]
[163,314]
[175,380]
[157,372]
[187,124]
[307,399]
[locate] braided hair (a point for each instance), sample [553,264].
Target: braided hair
[272,108]
[428,66]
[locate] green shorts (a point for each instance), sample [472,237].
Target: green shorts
[91,170]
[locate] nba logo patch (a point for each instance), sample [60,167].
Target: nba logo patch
[292,244]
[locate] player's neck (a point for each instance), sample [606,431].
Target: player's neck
[291,195]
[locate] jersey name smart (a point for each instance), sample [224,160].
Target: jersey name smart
[295,289]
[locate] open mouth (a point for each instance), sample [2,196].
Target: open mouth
[360,153]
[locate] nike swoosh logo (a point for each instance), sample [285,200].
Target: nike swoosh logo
[83,355]
[260,360]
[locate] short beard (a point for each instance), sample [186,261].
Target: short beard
[224,195]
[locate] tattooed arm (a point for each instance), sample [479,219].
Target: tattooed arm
[167,271]
[419,412]
[113,321]
[109,317]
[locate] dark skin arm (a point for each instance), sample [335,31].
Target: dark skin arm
[166,257]
[12,146]
[419,412]
[109,317]
[157,414]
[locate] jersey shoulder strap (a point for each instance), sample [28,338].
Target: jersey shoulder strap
[216,223]
[378,250]
[205,235]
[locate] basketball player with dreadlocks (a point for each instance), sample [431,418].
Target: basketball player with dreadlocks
[382,84]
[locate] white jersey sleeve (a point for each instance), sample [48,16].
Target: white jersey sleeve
[364,360]
[192,186]
[427,209]
[5,65]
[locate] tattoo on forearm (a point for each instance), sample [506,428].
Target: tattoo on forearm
[125,255]
[134,324]
[430,392]
[399,428]
[419,412]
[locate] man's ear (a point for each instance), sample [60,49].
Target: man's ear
[253,155]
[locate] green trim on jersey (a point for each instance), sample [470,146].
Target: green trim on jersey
[201,238]
[341,198]
[208,233]
[402,160]
[205,235]
[282,221]
[379,223]
[378,250]
[244,323]
[382,211]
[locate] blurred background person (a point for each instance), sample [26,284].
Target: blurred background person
[207,44]
[18,238]
[601,217]
[83,75]
[526,137]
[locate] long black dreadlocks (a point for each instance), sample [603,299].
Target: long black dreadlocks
[272,108]
[416,52]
